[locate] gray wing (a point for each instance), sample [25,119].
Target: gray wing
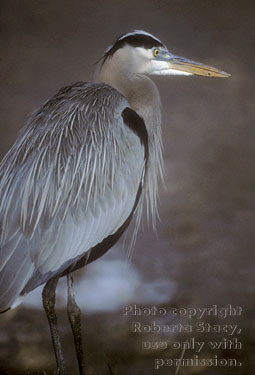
[69,181]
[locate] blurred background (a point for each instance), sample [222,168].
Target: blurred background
[202,253]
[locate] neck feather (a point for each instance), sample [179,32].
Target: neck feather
[143,97]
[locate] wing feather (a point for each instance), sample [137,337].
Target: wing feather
[68,182]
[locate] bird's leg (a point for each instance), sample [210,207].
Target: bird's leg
[49,298]
[74,315]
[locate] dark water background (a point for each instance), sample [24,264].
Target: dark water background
[202,253]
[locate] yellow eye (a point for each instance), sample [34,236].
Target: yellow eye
[156,52]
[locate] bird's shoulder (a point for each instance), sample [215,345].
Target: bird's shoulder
[77,144]
[93,99]
[79,113]
[96,104]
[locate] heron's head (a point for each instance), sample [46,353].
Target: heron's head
[141,52]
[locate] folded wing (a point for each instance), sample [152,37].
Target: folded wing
[70,180]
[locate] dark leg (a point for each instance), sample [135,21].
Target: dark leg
[49,297]
[74,316]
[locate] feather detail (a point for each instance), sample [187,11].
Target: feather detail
[74,166]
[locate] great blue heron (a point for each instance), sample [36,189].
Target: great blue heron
[80,170]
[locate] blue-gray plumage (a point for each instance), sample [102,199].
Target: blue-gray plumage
[70,171]
[81,169]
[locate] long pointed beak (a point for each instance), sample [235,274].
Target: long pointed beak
[192,67]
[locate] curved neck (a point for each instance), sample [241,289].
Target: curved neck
[143,97]
[139,90]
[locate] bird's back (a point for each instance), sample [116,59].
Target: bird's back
[71,180]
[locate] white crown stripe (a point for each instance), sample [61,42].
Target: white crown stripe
[136,32]
[139,32]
